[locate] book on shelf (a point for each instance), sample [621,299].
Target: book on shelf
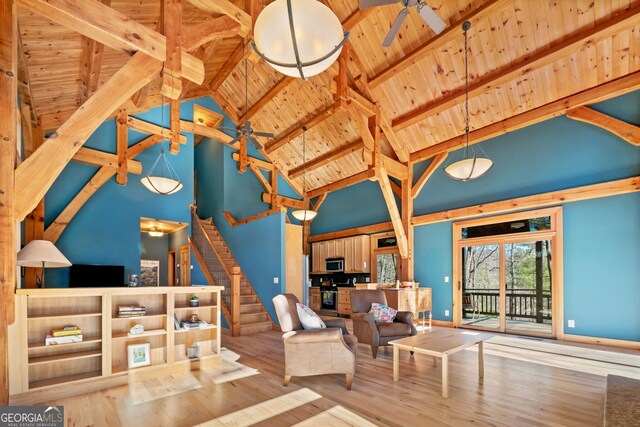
[200,324]
[125,315]
[66,331]
[176,322]
[131,311]
[69,339]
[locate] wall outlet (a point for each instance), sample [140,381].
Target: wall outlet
[191,267]
[571,323]
[446,279]
[446,313]
[367,280]
[276,280]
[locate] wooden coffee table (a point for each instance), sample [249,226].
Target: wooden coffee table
[440,343]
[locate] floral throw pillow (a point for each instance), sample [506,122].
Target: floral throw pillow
[308,318]
[382,313]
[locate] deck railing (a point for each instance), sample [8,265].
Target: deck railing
[521,303]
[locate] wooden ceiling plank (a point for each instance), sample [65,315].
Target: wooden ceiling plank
[449,34]
[111,28]
[24,82]
[172,70]
[231,62]
[226,107]
[208,30]
[394,213]
[226,8]
[308,122]
[37,173]
[433,166]
[326,158]
[271,93]
[556,108]
[90,156]
[604,189]
[539,59]
[343,183]
[624,130]
[91,64]
[146,127]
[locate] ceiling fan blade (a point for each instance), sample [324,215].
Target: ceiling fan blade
[229,129]
[234,140]
[395,27]
[431,18]
[255,142]
[264,134]
[372,3]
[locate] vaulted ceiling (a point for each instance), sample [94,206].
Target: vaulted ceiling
[523,56]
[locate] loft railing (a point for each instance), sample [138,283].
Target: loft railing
[521,303]
[217,270]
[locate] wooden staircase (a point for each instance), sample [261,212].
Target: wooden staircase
[243,309]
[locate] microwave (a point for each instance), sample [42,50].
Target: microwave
[335,265]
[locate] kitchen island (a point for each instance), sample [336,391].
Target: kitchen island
[416,300]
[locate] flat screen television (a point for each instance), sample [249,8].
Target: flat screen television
[95,276]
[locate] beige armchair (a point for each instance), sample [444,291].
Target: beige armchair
[314,352]
[377,334]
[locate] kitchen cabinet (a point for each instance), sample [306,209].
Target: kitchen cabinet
[318,257]
[314,299]
[355,250]
[344,301]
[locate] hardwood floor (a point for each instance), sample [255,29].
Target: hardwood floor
[516,391]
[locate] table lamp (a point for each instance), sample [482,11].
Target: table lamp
[42,253]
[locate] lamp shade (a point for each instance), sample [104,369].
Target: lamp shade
[42,253]
[304,214]
[467,169]
[317,33]
[161,185]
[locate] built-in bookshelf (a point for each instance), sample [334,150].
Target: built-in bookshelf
[100,360]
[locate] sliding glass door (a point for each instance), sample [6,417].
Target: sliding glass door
[504,273]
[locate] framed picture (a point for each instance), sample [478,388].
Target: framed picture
[149,272]
[139,355]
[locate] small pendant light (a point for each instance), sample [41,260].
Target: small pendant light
[471,166]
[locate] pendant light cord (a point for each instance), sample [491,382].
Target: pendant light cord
[304,175]
[466,27]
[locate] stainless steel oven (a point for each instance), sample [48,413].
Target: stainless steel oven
[329,299]
[334,265]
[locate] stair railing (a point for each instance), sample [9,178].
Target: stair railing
[229,279]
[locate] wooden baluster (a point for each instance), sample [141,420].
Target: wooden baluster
[235,301]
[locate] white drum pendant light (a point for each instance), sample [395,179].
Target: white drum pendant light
[471,166]
[299,38]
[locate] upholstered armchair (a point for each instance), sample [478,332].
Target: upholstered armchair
[377,334]
[330,350]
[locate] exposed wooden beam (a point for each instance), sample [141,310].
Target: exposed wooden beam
[273,175]
[209,132]
[57,227]
[234,223]
[556,108]
[343,183]
[449,34]
[397,189]
[319,201]
[37,173]
[276,200]
[326,158]
[91,64]
[145,127]
[626,131]
[110,27]
[8,145]
[392,207]
[210,29]
[604,189]
[24,82]
[520,68]
[355,18]
[393,167]
[174,119]
[271,93]
[254,161]
[365,229]
[363,127]
[172,69]
[407,264]
[226,69]
[122,143]
[89,156]
[34,222]
[433,166]
[242,156]
[226,8]
[261,178]
[308,122]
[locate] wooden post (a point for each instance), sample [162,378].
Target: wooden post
[34,222]
[407,264]
[235,301]
[8,144]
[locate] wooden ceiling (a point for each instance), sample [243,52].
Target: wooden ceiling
[523,55]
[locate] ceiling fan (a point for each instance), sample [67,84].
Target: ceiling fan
[424,10]
[246,132]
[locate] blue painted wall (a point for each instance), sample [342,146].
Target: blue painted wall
[107,229]
[552,155]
